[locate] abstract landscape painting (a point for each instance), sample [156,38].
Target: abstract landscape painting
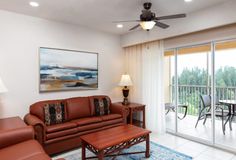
[62,70]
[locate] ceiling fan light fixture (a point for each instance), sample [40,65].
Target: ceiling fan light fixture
[34,4]
[147,25]
[119,25]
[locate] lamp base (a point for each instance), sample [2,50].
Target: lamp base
[125,94]
[125,101]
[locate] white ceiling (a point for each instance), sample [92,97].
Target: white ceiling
[99,14]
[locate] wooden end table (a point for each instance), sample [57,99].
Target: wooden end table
[110,141]
[135,107]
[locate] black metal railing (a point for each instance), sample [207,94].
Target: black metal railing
[190,95]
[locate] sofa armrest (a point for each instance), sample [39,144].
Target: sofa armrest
[14,136]
[120,109]
[38,125]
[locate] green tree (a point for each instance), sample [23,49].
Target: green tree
[196,77]
[226,77]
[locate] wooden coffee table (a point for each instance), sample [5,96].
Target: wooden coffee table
[110,142]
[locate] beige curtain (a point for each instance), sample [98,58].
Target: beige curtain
[144,63]
[133,66]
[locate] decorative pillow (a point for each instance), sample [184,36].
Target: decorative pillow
[54,113]
[102,106]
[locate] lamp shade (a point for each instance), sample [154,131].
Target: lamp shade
[125,80]
[2,87]
[147,25]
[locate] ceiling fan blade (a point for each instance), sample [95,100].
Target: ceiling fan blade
[133,28]
[126,21]
[171,16]
[162,25]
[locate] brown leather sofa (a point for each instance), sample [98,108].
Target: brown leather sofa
[80,119]
[19,144]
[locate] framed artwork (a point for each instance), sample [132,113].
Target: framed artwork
[62,70]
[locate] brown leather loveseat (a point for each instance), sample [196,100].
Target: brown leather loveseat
[82,115]
[19,144]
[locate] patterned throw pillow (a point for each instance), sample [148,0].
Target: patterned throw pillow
[102,106]
[54,113]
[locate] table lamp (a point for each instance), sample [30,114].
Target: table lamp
[2,87]
[125,82]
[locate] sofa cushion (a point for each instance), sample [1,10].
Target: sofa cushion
[78,107]
[110,117]
[90,127]
[86,121]
[100,105]
[61,133]
[37,108]
[59,127]
[26,150]
[113,125]
[111,122]
[54,113]
[58,136]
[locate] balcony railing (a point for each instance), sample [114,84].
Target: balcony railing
[190,95]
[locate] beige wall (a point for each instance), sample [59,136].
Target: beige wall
[20,38]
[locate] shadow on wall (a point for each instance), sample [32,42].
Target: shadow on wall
[1,106]
[117,92]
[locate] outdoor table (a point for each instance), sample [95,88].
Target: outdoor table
[232,107]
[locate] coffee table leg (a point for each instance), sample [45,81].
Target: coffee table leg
[100,155]
[83,151]
[147,153]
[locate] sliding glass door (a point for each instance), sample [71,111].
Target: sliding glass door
[169,87]
[200,83]
[193,85]
[225,85]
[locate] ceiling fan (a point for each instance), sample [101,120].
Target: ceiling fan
[148,19]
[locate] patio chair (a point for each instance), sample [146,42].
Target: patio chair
[205,111]
[171,106]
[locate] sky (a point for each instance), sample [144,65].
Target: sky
[222,58]
[68,58]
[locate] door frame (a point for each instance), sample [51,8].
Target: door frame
[212,142]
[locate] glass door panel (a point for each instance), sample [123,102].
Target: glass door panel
[193,83]
[169,87]
[225,86]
